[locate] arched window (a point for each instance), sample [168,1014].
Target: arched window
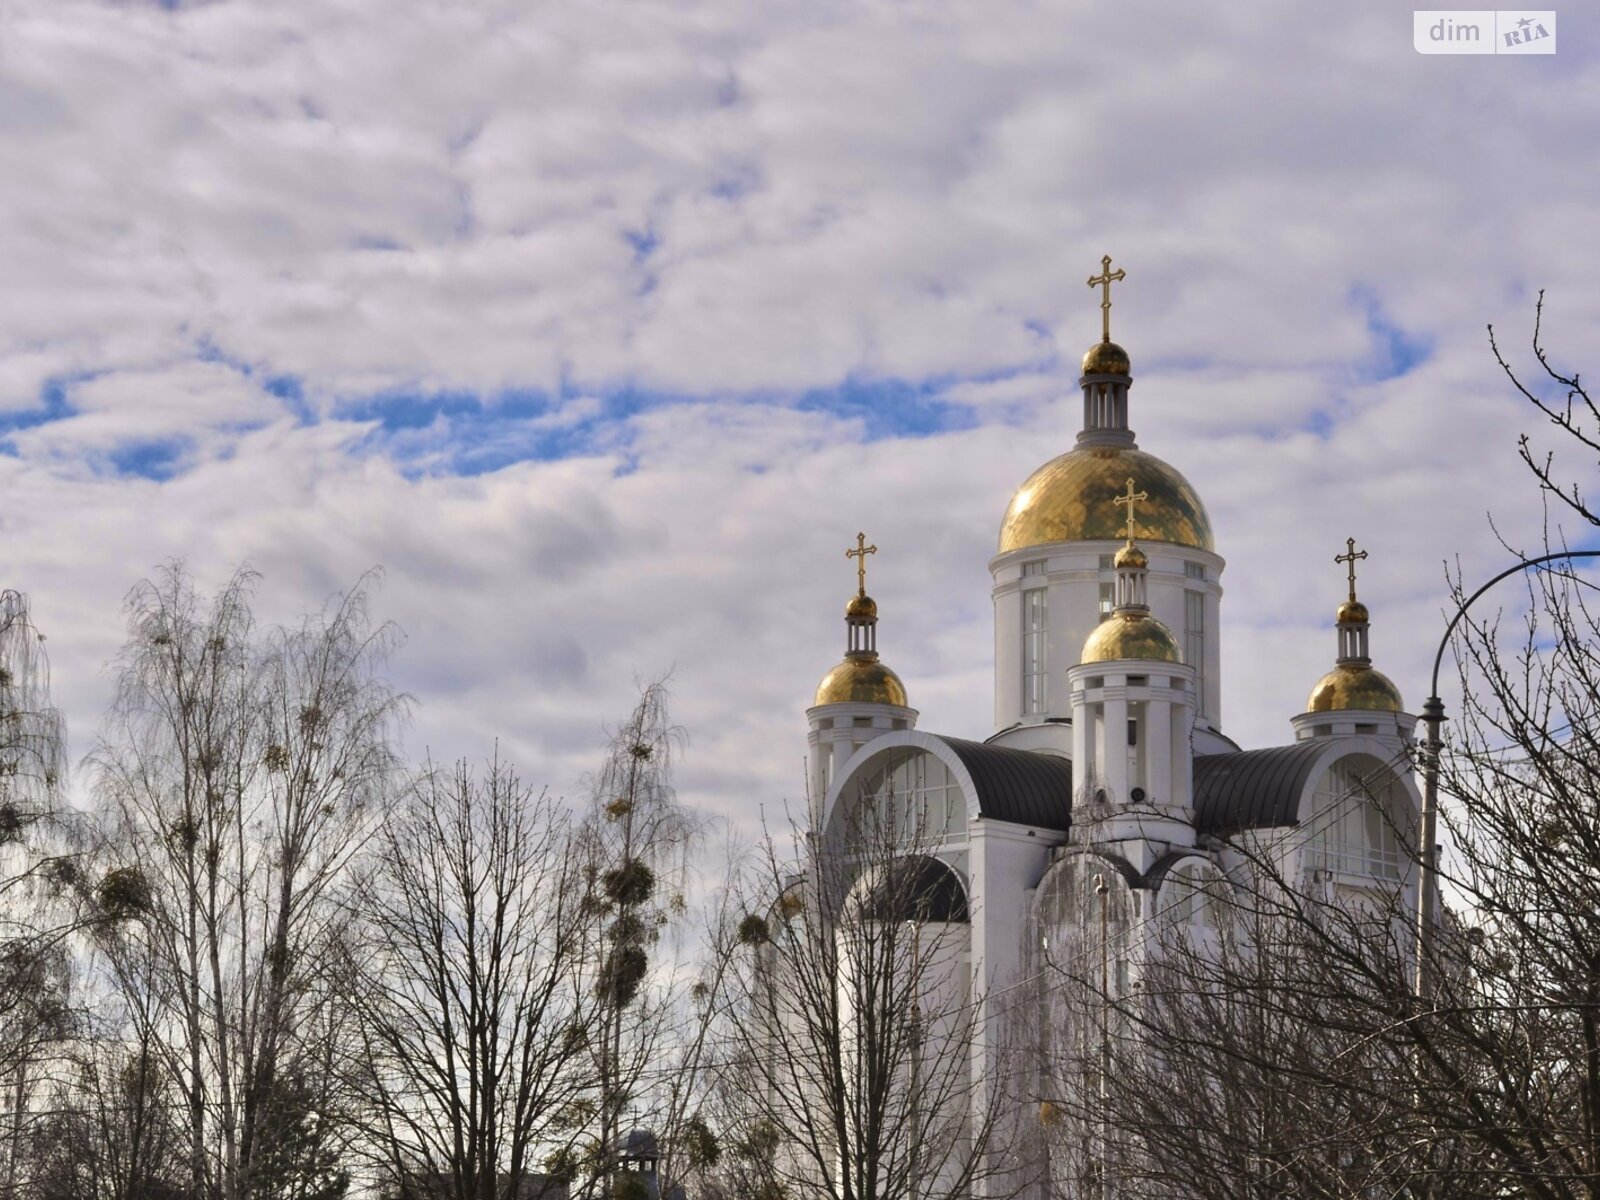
[1035,639]
[1357,821]
[1194,894]
[915,790]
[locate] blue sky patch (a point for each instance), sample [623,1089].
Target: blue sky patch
[53,406]
[157,458]
[1398,351]
[890,408]
[461,433]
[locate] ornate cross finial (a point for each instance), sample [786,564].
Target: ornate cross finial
[1130,498]
[861,551]
[1351,558]
[1104,280]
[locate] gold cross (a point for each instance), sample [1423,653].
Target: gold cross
[861,551]
[1130,498]
[1351,559]
[1104,280]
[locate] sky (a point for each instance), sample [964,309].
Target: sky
[603,328]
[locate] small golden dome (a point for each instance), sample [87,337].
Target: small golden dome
[1106,358]
[861,606]
[861,680]
[1355,686]
[1351,612]
[1069,499]
[1131,635]
[1130,558]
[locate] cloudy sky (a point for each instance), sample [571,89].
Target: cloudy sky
[603,327]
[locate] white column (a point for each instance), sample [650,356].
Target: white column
[1114,762]
[1157,734]
[1182,725]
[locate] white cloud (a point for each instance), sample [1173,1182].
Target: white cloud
[736,204]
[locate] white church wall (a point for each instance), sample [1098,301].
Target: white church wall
[1007,862]
[1074,575]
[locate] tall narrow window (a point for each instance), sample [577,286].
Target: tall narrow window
[1194,644]
[1035,617]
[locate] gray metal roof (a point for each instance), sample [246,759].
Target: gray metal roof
[1019,786]
[1252,789]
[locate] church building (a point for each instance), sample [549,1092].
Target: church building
[1109,789]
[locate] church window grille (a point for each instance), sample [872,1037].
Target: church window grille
[1194,643]
[1194,570]
[920,797]
[1036,567]
[1035,632]
[1105,600]
[1354,832]
[1107,562]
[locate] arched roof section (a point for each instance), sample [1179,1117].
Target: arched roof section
[1023,787]
[1264,789]
[1254,789]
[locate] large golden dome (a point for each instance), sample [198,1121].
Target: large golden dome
[1069,500]
[1131,635]
[861,680]
[1355,686]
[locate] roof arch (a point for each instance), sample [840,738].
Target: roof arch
[1265,789]
[1022,787]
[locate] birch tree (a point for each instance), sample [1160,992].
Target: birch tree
[238,775]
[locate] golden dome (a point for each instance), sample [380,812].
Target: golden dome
[1131,635]
[1069,500]
[1354,685]
[861,606]
[1351,612]
[861,681]
[1106,358]
[1130,558]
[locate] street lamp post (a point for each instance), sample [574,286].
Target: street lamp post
[1433,719]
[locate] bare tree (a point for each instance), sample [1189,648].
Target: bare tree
[636,842]
[471,981]
[40,885]
[238,776]
[850,1021]
[1249,1040]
